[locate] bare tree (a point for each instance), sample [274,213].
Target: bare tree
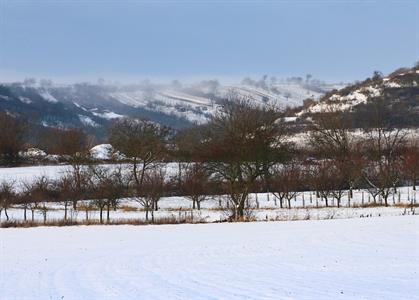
[328,180]
[7,197]
[38,194]
[108,187]
[27,201]
[238,143]
[411,163]
[382,178]
[153,189]
[332,139]
[12,138]
[185,149]
[383,148]
[67,192]
[195,184]
[286,182]
[144,142]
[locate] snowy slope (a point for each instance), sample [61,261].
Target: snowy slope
[285,94]
[94,106]
[395,87]
[338,259]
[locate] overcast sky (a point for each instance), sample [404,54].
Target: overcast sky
[80,40]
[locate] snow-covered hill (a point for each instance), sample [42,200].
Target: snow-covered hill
[95,105]
[400,86]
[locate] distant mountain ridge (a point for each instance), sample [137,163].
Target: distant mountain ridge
[94,106]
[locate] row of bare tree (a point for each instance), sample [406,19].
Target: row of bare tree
[245,148]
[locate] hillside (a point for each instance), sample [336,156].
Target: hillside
[398,93]
[94,106]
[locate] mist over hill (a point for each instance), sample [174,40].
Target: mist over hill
[93,106]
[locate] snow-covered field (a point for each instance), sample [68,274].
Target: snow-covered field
[370,258]
[263,206]
[20,175]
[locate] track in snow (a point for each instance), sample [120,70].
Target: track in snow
[338,259]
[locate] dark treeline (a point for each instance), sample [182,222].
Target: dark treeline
[243,149]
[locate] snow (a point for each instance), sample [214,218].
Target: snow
[28,174]
[198,107]
[303,206]
[176,95]
[290,119]
[7,98]
[79,106]
[109,115]
[33,152]
[261,95]
[392,84]
[87,121]
[168,102]
[25,100]
[342,103]
[373,91]
[47,96]
[102,151]
[364,258]
[134,98]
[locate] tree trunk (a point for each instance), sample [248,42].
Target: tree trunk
[100,216]
[5,212]
[24,213]
[135,172]
[179,175]
[240,208]
[33,214]
[142,175]
[65,210]
[198,204]
[289,203]
[108,208]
